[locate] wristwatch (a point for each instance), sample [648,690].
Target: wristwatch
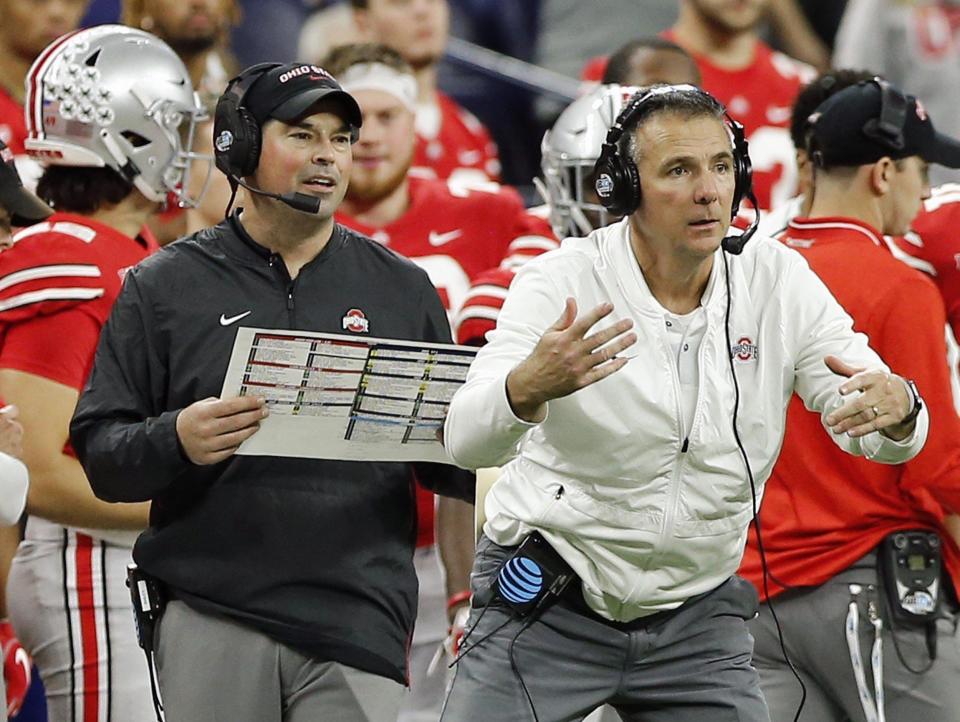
[917,403]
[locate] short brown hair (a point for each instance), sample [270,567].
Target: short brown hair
[341,58]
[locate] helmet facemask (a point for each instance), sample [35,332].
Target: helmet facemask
[175,130]
[567,188]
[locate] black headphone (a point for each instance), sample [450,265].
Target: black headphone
[236,133]
[617,178]
[888,128]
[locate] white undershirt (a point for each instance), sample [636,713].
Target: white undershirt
[685,333]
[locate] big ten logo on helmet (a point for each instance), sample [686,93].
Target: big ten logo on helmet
[745,349]
[355,321]
[304,70]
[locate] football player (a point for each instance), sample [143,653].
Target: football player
[107,111]
[451,142]
[757,84]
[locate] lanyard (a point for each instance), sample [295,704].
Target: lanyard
[872,710]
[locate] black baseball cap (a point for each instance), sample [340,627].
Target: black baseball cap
[871,120]
[288,91]
[22,205]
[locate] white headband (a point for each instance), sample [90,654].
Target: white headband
[377,76]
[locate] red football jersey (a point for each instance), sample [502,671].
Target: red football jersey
[13,127]
[454,234]
[934,246]
[480,309]
[824,509]
[761,97]
[460,143]
[57,285]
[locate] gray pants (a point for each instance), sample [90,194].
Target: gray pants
[692,666]
[813,622]
[214,670]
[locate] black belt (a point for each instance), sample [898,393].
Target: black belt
[572,599]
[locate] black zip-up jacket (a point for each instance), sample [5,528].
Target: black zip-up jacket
[317,554]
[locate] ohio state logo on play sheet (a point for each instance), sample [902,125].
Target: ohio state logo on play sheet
[355,321]
[745,349]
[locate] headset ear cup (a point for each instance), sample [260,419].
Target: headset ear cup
[741,181]
[632,193]
[224,134]
[248,153]
[618,182]
[236,133]
[605,183]
[236,139]
[743,168]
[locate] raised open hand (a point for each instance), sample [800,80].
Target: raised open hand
[567,359]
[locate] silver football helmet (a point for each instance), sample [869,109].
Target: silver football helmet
[117,97]
[568,153]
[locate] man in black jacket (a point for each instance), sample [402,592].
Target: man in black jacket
[296,573]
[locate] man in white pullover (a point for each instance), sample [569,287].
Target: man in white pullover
[631,376]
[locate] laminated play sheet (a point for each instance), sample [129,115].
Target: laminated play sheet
[344,397]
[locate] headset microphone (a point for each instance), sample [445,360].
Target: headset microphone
[297,201]
[735,244]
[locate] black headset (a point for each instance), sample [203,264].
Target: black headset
[236,133]
[617,177]
[237,140]
[888,128]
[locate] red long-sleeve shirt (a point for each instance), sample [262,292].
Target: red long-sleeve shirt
[824,509]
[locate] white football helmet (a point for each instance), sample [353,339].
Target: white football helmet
[568,153]
[117,97]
